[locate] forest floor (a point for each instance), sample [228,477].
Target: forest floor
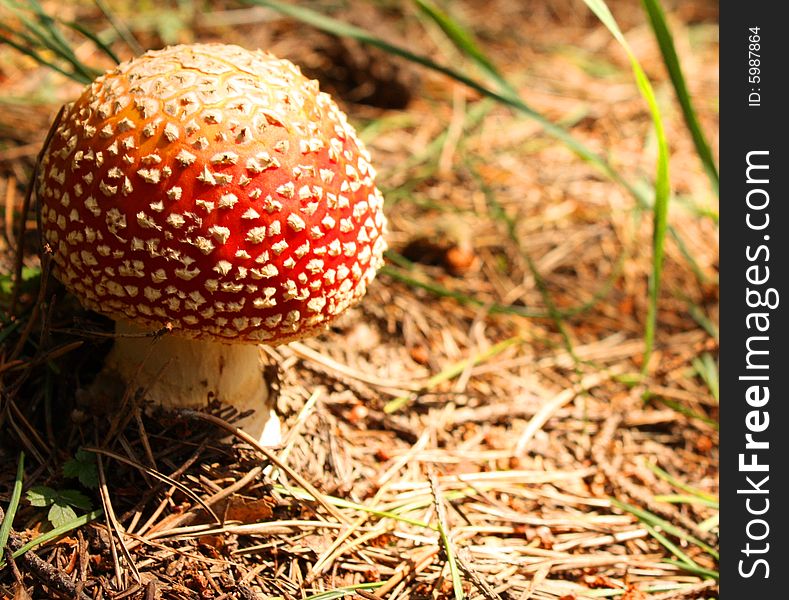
[484,416]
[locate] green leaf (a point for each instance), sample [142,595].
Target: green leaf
[60,503]
[83,468]
[74,498]
[41,495]
[60,515]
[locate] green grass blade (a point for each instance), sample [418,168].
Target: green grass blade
[688,255]
[19,34]
[41,60]
[711,523]
[55,39]
[400,273]
[465,299]
[497,210]
[342,503]
[120,28]
[652,589]
[682,409]
[93,38]
[35,37]
[426,501]
[48,23]
[454,370]
[8,330]
[662,187]
[464,41]
[13,503]
[52,39]
[454,572]
[707,369]
[648,518]
[459,367]
[681,485]
[670,546]
[695,569]
[39,32]
[657,19]
[474,117]
[344,591]
[685,499]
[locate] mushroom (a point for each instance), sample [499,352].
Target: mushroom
[217,193]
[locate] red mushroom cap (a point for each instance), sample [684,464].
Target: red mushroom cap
[213,189]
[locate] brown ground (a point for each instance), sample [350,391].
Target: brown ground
[518,435]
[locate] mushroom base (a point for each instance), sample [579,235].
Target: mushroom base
[181,373]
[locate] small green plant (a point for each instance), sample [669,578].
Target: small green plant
[83,468]
[61,503]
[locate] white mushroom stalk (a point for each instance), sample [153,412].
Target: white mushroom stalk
[216,192]
[177,372]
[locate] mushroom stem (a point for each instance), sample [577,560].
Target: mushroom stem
[177,372]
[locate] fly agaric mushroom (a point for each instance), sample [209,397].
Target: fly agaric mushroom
[218,193]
